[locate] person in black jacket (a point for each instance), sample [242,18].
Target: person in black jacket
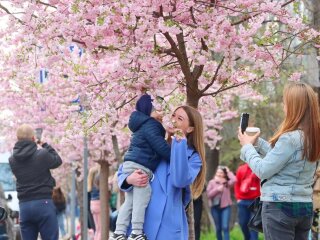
[31,164]
[147,147]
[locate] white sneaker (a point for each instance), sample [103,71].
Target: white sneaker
[118,237]
[137,237]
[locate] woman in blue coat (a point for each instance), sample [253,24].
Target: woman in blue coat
[176,182]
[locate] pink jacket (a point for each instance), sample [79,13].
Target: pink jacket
[213,191]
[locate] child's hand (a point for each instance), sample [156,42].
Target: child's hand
[157,115]
[170,127]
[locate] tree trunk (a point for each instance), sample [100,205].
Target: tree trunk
[79,186]
[104,200]
[212,159]
[316,21]
[190,215]
[207,219]
[193,102]
[316,3]
[119,160]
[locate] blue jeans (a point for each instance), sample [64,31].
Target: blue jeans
[244,215]
[221,217]
[38,216]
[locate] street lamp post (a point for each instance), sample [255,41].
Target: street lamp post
[85,188]
[73,203]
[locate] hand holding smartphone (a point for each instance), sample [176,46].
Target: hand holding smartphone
[39,134]
[244,121]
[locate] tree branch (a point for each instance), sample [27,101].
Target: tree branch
[197,71]
[292,52]
[249,17]
[222,89]
[213,78]
[115,145]
[125,102]
[12,14]
[46,4]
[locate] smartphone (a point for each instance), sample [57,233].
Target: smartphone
[39,134]
[244,121]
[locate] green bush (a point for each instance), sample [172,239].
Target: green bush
[235,234]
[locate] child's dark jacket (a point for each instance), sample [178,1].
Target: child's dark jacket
[147,145]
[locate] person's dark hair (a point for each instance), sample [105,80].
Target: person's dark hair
[58,196]
[225,173]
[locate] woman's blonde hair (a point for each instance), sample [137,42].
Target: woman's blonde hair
[302,112]
[92,176]
[25,132]
[196,140]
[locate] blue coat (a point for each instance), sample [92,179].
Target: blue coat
[147,144]
[165,216]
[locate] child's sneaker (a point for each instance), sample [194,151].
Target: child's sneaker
[118,237]
[137,237]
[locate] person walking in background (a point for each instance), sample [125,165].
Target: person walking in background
[59,201]
[288,165]
[246,189]
[93,189]
[219,195]
[147,147]
[31,167]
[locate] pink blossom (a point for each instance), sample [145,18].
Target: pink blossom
[296,76]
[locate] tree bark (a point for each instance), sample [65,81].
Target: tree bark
[212,159]
[190,215]
[104,200]
[79,187]
[316,22]
[119,160]
[193,101]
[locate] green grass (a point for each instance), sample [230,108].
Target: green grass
[235,234]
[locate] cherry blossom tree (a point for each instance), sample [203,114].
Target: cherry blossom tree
[202,53]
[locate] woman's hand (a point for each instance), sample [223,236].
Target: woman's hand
[246,139]
[176,133]
[138,178]
[220,188]
[179,134]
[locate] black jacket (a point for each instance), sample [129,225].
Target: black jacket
[31,167]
